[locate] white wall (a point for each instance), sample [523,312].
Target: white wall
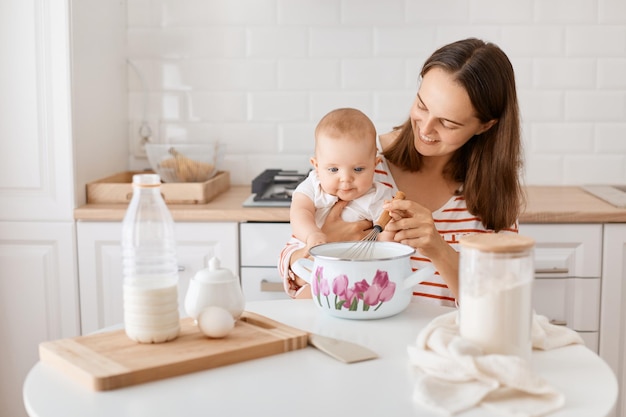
[258,74]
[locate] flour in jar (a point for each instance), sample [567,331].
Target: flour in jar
[499,320]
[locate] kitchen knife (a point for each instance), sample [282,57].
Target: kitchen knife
[342,350]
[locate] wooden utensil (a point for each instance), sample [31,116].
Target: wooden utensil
[341,350]
[363,249]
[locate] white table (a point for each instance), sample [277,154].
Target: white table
[306,382]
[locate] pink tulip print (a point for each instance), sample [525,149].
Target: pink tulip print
[362,292]
[319,286]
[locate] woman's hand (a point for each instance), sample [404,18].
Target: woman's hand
[337,230]
[413,225]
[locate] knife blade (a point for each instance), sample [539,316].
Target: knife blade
[342,350]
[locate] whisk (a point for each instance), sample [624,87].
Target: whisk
[363,249]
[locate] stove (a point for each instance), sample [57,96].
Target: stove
[273,188]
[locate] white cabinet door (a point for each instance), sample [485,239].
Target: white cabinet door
[613,313]
[100,264]
[38,299]
[261,244]
[568,269]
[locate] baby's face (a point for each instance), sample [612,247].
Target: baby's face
[344,166]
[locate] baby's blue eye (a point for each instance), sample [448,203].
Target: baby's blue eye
[333,169]
[358,169]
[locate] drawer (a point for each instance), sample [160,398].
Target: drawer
[566,250]
[261,243]
[262,284]
[573,302]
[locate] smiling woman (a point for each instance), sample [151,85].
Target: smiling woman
[457,158]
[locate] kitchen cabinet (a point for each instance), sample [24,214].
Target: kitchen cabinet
[568,277]
[38,299]
[613,311]
[58,133]
[100,264]
[261,243]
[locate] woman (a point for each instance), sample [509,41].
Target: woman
[457,158]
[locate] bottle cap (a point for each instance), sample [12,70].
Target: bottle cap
[146,180]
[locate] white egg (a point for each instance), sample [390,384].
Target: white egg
[215,322]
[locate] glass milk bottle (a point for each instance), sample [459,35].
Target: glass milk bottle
[496,273]
[149,265]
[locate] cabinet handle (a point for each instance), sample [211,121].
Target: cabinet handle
[558,322]
[181,268]
[269,286]
[551,271]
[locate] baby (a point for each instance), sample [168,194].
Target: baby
[344,162]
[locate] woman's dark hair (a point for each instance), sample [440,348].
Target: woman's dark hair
[488,165]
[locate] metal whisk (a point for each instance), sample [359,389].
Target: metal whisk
[363,249]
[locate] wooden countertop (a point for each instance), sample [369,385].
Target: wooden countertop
[545,204]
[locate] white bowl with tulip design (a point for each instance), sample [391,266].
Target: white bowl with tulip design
[377,287]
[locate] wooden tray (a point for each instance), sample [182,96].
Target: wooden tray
[110,360]
[118,189]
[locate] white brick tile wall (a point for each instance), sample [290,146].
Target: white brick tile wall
[309,74]
[296,138]
[309,12]
[278,42]
[405,41]
[533,41]
[341,42]
[323,102]
[612,73]
[278,107]
[595,106]
[237,12]
[447,33]
[384,74]
[610,138]
[218,106]
[611,11]
[564,73]
[574,138]
[455,11]
[596,41]
[501,12]
[544,169]
[258,74]
[566,11]
[366,12]
[541,106]
[585,169]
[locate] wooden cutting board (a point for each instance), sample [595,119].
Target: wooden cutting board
[110,360]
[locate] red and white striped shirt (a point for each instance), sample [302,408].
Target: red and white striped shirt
[452,220]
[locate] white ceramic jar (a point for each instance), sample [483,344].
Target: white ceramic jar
[214,286]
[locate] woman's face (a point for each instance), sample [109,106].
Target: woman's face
[442,115]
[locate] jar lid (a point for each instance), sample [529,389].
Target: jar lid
[497,242]
[214,273]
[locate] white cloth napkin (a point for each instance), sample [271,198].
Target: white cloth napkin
[454,374]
